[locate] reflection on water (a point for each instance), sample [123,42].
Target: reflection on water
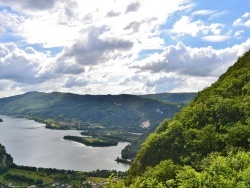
[31,144]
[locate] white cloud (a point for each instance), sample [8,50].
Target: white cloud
[246,15]
[238,34]
[62,22]
[237,22]
[23,66]
[102,44]
[185,26]
[29,5]
[197,62]
[216,38]
[191,28]
[218,14]
[211,13]
[243,21]
[203,12]
[77,81]
[94,50]
[133,7]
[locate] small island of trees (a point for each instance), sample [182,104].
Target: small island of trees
[95,142]
[1,120]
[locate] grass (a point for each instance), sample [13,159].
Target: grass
[92,139]
[96,179]
[34,175]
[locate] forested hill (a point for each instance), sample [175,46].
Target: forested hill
[176,98]
[127,112]
[5,160]
[205,145]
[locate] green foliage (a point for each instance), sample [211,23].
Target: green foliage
[165,171]
[218,171]
[140,182]
[5,160]
[96,142]
[130,151]
[19,178]
[71,111]
[217,121]
[176,98]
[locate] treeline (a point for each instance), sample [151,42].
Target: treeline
[5,160]
[93,142]
[22,178]
[130,151]
[48,171]
[112,134]
[3,169]
[94,173]
[106,173]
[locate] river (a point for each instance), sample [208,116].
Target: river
[31,144]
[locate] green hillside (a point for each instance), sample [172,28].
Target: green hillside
[68,110]
[176,98]
[5,160]
[205,145]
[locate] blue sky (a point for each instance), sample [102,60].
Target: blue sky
[114,47]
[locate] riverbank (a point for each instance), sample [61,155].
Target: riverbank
[24,176]
[31,144]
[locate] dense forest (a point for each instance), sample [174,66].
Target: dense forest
[5,160]
[72,111]
[206,144]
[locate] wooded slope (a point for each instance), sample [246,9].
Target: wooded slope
[215,126]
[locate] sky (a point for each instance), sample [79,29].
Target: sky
[116,46]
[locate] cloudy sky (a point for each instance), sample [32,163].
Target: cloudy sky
[117,46]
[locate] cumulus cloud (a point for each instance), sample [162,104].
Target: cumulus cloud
[30,4]
[46,30]
[112,13]
[243,21]
[70,8]
[22,66]
[93,50]
[198,62]
[113,46]
[133,7]
[75,82]
[191,28]
[186,26]
[238,34]
[65,67]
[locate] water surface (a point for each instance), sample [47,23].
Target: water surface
[31,144]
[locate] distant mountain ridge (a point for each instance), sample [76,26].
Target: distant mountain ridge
[111,111]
